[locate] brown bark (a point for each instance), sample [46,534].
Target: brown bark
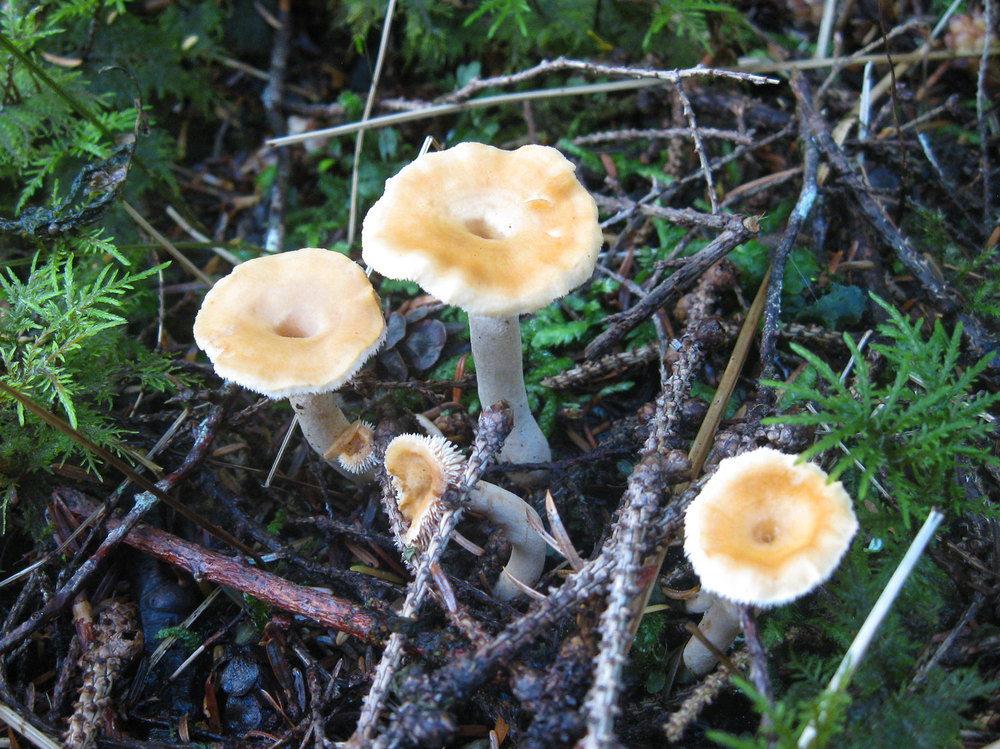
[202,564]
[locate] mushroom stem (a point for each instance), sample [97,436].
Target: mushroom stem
[720,626]
[320,419]
[496,349]
[527,548]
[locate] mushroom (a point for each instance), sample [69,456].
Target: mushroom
[296,325]
[421,468]
[499,234]
[763,531]
[354,449]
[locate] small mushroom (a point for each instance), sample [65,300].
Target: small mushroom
[421,468]
[763,531]
[296,325]
[354,449]
[499,234]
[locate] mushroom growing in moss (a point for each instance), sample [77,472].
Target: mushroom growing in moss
[499,234]
[421,468]
[296,325]
[763,531]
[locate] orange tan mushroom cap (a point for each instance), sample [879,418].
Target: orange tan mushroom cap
[354,449]
[420,469]
[765,530]
[291,324]
[495,232]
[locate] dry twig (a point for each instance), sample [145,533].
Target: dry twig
[273,97]
[981,106]
[312,603]
[739,230]
[646,486]
[458,101]
[494,425]
[772,309]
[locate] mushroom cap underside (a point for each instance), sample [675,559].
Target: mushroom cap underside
[354,449]
[764,530]
[495,232]
[420,469]
[290,324]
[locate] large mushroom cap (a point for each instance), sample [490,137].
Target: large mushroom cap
[290,324]
[764,530]
[495,232]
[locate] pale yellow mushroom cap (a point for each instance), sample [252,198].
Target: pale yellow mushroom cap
[420,469]
[494,232]
[764,530]
[290,324]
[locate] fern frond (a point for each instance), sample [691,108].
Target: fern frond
[687,19]
[501,10]
[55,316]
[913,431]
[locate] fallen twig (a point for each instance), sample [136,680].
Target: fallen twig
[494,424]
[273,98]
[981,107]
[772,309]
[646,486]
[739,230]
[919,265]
[670,132]
[202,564]
[142,504]
[628,71]
[699,145]
[456,101]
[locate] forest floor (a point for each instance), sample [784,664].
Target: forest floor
[800,251]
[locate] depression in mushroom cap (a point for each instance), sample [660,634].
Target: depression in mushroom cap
[765,530]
